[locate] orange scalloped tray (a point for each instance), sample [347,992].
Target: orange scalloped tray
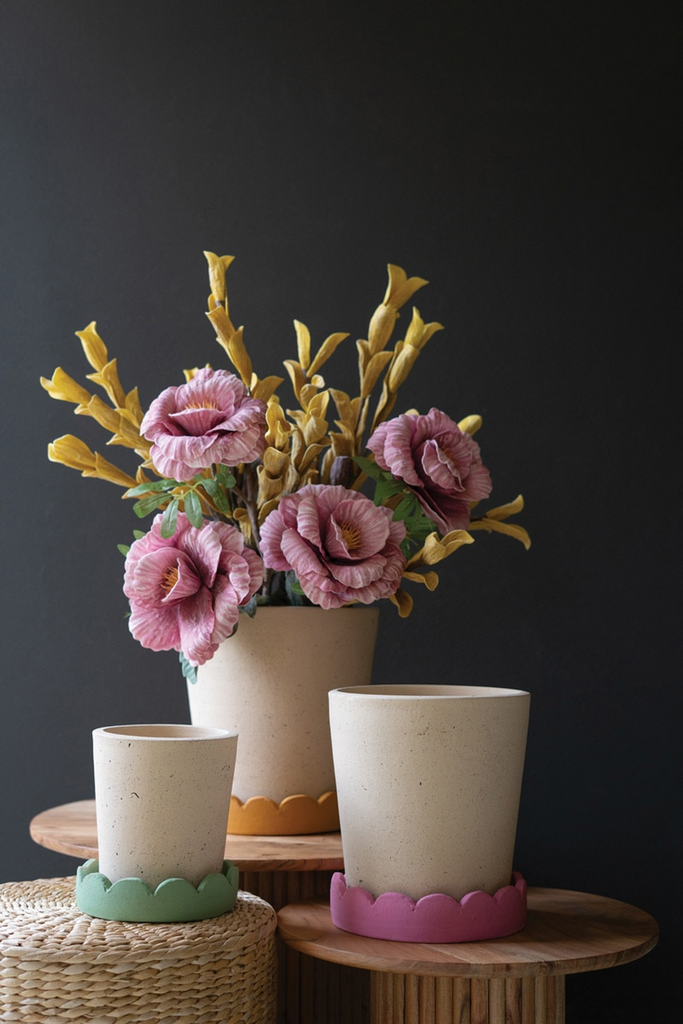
[295,816]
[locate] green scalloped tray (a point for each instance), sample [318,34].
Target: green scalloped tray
[173,900]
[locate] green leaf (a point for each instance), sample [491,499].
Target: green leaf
[189,671]
[155,486]
[123,548]
[217,494]
[210,485]
[221,501]
[418,527]
[406,547]
[370,468]
[138,534]
[170,519]
[225,477]
[295,594]
[387,488]
[146,505]
[193,509]
[405,508]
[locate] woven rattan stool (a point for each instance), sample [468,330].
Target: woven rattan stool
[59,965]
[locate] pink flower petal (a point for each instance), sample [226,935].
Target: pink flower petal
[303,559]
[204,548]
[196,422]
[437,461]
[357,530]
[443,471]
[209,420]
[196,623]
[187,582]
[146,580]
[308,516]
[341,547]
[185,591]
[271,542]
[155,627]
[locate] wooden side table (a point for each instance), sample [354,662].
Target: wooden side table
[279,869]
[515,980]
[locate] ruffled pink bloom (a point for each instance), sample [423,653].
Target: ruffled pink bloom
[341,547]
[439,463]
[210,420]
[185,590]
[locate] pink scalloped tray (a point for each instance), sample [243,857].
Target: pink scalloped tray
[434,918]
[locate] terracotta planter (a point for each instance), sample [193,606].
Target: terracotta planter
[428,781]
[270,682]
[162,795]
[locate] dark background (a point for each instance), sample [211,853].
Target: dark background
[520,156]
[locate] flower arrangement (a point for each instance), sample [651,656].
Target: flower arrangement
[259,504]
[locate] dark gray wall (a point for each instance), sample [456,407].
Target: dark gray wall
[517,154]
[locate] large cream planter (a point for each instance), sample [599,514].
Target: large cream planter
[428,782]
[270,682]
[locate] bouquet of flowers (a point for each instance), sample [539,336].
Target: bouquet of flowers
[260,504]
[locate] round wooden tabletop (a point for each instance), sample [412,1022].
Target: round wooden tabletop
[72,829]
[566,933]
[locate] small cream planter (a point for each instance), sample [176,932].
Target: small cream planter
[428,783]
[162,796]
[270,682]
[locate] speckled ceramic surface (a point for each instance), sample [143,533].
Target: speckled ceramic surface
[270,682]
[428,783]
[162,795]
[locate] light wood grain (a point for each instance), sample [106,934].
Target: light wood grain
[566,933]
[516,980]
[422,999]
[72,829]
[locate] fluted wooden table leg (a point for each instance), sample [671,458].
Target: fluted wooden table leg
[309,991]
[416,999]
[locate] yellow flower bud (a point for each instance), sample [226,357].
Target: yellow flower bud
[108,378]
[325,351]
[93,346]
[64,388]
[303,344]
[71,452]
[218,266]
[403,602]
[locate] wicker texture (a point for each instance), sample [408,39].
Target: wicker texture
[57,964]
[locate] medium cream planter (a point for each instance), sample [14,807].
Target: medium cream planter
[270,682]
[162,795]
[428,783]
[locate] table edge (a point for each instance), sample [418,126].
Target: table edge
[288,859]
[454,968]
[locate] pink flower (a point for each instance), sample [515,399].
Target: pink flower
[341,547]
[439,463]
[210,420]
[185,590]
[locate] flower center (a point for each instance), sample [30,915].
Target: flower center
[169,579]
[208,403]
[351,535]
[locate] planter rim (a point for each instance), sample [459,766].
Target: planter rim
[420,691]
[160,733]
[291,609]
